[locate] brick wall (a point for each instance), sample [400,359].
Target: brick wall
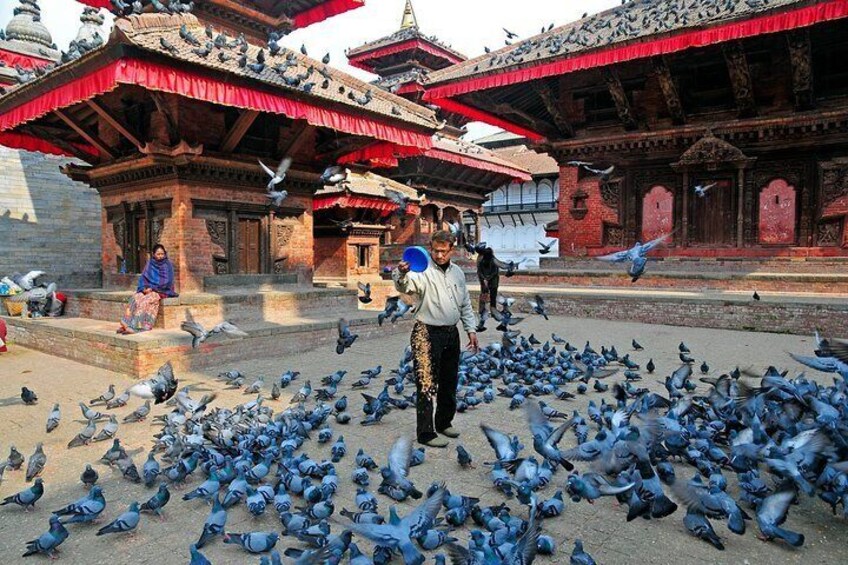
[47,221]
[330,257]
[577,236]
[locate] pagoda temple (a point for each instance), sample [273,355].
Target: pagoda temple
[454,176]
[170,133]
[725,123]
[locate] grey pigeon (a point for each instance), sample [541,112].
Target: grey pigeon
[36,464]
[278,176]
[85,436]
[139,414]
[53,418]
[27,497]
[199,335]
[29,397]
[89,476]
[126,522]
[109,430]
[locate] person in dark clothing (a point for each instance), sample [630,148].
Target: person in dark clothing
[488,272]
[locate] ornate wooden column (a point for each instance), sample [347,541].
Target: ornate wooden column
[740,207]
[684,217]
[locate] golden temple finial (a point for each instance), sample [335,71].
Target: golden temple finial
[409,19]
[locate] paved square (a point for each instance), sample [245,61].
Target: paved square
[602,526]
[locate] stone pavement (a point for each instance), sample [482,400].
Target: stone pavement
[602,526]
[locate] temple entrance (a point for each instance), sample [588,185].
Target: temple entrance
[249,230]
[711,217]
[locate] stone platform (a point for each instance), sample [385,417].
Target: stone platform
[280,318]
[780,312]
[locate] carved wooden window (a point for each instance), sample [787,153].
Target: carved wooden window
[777,217]
[657,213]
[363,255]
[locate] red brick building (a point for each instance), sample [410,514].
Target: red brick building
[751,98]
[171,132]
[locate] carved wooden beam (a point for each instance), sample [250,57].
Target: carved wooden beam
[801,57]
[502,108]
[300,134]
[91,138]
[669,91]
[740,78]
[116,123]
[69,148]
[619,97]
[162,107]
[236,133]
[552,105]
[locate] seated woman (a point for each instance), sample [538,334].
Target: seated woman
[156,282]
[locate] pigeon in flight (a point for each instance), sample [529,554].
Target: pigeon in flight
[637,255]
[701,189]
[199,335]
[545,248]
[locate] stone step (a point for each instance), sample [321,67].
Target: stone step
[707,279]
[780,312]
[237,305]
[94,342]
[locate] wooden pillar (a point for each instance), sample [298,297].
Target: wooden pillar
[684,218]
[740,205]
[440,218]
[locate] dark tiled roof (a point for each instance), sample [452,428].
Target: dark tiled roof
[630,22]
[408,34]
[413,75]
[149,30]
[539,164]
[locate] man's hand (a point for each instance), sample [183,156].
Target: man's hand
[403,267]
[147,291]
[473,346]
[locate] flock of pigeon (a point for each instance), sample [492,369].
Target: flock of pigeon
[777,438]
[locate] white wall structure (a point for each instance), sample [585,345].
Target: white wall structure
[514,220]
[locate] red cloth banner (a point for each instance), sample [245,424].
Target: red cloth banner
[361,60]
[96,3]
[10,58]
[773,23]
[473,163]
[481,116]
[26,142]
[326,10]
[379,151]
[191,84]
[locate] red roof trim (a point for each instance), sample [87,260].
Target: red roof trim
[784,21]
[360,60]
[11,58]
[451,105]
[326,10]
[384,205]
[26,142]
[191,84]
[471,162]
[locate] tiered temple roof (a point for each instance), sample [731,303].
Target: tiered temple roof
[148,51]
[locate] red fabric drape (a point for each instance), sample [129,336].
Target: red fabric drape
[10,58]
[790,19]
[377,151]
[384,206]
[96,3]
[326,10]
[473,163]
[451,105]
[154,76]
[29,143]
[361,60]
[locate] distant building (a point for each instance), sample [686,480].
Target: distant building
[516,215]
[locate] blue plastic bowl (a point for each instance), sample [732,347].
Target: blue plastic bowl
[417,257]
